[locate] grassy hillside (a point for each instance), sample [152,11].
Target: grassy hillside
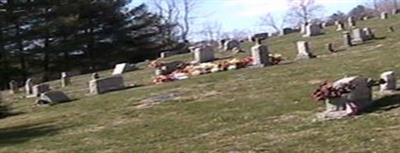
[248,110]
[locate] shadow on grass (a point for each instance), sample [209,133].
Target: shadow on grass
[23,133]
[385,104]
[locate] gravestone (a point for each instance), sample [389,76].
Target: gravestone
[351,22]
[167,54]
[365,18]
[369,35]
[222,43]
[303,28]
[384,15]
[230,44]
[103,85]
[390,82]
[312,30]
[13,86]
[303,50]
[347,39]
[286,31]
[259,36]
[28,87]
[120,69]
[340,26]
[204,54]
[39,89]
[168,68]
[53,97]
[358,36]
[260,55]
[351,103]
[65,80]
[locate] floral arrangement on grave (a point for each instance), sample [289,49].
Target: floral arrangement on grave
[326,91]
[187,70]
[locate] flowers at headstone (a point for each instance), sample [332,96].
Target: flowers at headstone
[327,91]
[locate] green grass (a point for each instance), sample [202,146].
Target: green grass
[248,110]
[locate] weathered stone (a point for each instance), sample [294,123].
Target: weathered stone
[351,22]
[303,50]
[351,103]
[28,87]
[204,54]
[120,69]
[65,80]
[13,87]
[347,39]
[103,85]
[340,26]
[40,88]
[395,11]
[260,36]
[312,30]
[358,36]
[369,35]
[53,97]
[230,44]
[260,55]
[384,15]
[390,81]
[303,28]
[286,31]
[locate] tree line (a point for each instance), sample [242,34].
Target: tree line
[41,38]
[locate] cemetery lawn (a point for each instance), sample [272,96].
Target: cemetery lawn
[247,110]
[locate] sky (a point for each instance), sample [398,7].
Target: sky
[245,14]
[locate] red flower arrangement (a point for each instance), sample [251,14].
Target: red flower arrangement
[327,91]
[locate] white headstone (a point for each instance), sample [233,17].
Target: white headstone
[351,22]
[103,85]
[303,50]
[54,97]
[13,87]
[390,81]
[204,54]
[358,36]
[65,79]
[384,15]
[119,69]
[340,27]
[28,87]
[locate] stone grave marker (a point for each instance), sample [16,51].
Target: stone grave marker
[330,47]
[28,87]
[384,15]
[204,54]
[13,87]
[351,22]
[369,35]
[286,31]
[357,100]
[260,36]
[395,11]
[231,44]
[347,39]
[54,97]
[260,54]
[303,50]
[390,82]
[40,88]
[303,28]
[103,85]
[312,30]
[65,80]
[120,69]
[340,26]
[358,36]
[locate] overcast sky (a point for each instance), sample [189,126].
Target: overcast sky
[245,14]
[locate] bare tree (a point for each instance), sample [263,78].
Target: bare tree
[211,31]
[269,21]
[179,12]
[302,11]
